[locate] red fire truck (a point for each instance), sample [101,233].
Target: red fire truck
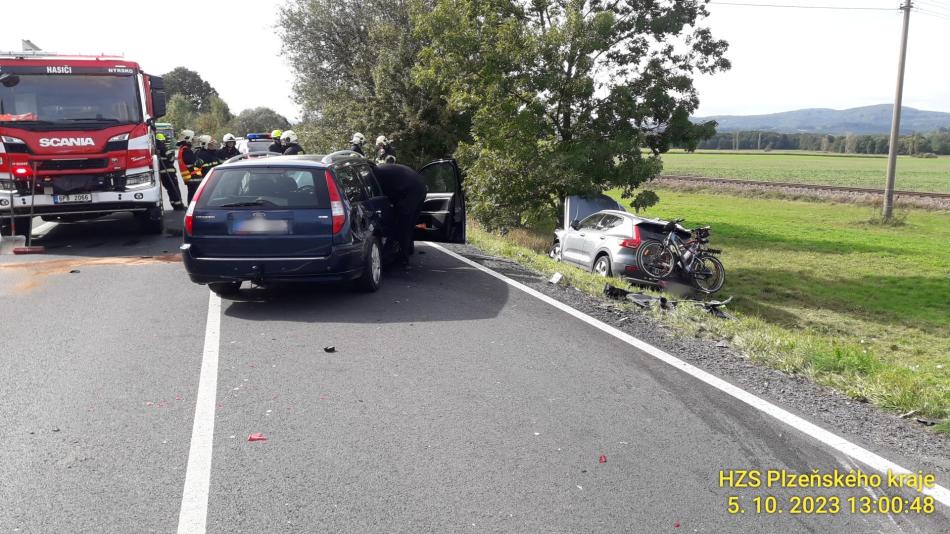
[76,139]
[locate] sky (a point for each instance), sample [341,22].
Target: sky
[232,44]
[783,59]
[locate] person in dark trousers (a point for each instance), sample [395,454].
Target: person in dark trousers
[356,144]
[229,150]
[166,169]
[185,161]
[291,148]
[276,146]
[406,189]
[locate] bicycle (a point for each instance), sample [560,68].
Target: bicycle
[694,260]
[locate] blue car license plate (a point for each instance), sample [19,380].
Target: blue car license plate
[259,226]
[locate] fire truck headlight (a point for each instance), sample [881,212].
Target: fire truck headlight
[139,180]
[120,137]
[12,140]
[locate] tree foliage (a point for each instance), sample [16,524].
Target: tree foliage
[189,84]
[564,95]
[259,119]
[352,61]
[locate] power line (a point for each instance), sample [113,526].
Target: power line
[944,16]
[789,6]
[934,4]
[933,7]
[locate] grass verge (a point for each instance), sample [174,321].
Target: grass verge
[807,311]
[914,174]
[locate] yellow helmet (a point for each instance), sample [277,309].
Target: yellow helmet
[159,137]
[276,134]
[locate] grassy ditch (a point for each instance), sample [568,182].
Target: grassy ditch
[819,292]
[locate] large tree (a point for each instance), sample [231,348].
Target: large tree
[565,95]
[190,84]
[352,60]
[260,119]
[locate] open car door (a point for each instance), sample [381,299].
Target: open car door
[443,213]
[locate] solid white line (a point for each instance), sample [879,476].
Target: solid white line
[876,462]
[194,499]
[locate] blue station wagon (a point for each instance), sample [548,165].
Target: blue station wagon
[306,219]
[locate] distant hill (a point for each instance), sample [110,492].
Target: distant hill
[863,120]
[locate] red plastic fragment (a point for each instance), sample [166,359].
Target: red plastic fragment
[603,458]
[257,436]
[676,525]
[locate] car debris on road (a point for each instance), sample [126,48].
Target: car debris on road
[714,307]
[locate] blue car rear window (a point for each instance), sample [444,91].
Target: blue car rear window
[256,188]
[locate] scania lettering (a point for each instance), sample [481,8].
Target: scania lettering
[76,139]
[66,141]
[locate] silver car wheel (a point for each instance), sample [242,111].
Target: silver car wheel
[376,264]
[556,251]
[602,266]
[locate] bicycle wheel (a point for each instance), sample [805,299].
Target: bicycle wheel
[655,259]
[708,274]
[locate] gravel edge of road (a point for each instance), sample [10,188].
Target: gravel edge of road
[823,406]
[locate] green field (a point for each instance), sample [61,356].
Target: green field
[913,174]
[820,291]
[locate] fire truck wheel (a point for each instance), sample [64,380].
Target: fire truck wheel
[151,222]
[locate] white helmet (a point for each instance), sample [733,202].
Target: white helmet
[289,136]
[228,137]
[381,140]
[203,140]
[358,139]
[187,135]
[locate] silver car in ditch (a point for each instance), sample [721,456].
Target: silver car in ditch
[601,237]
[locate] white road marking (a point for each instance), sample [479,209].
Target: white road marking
[876,462]
[194,500]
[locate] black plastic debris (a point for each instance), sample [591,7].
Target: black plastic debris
[615,292]
[714,307]
[329,348]
[926,422]
[74,271]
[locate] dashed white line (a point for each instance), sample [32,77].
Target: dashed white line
[192,518]
[838,443]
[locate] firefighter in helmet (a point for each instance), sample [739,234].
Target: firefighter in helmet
[289,140]
[276,146]
[229,150]
[206,156]
[185,162]
[356,143]
[166,165]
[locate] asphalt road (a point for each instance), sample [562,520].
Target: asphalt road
[452,403]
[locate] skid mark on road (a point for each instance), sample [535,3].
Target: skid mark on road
[33,273]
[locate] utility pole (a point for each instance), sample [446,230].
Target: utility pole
[737,141]
[896,122]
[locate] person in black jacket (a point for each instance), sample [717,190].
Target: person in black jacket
[356,144]
[229,150]
[166,166]
[276,146]
[185,161]
[206,158]
[289,140]
[406,189]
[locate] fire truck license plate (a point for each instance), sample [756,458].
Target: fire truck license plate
[72,199]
